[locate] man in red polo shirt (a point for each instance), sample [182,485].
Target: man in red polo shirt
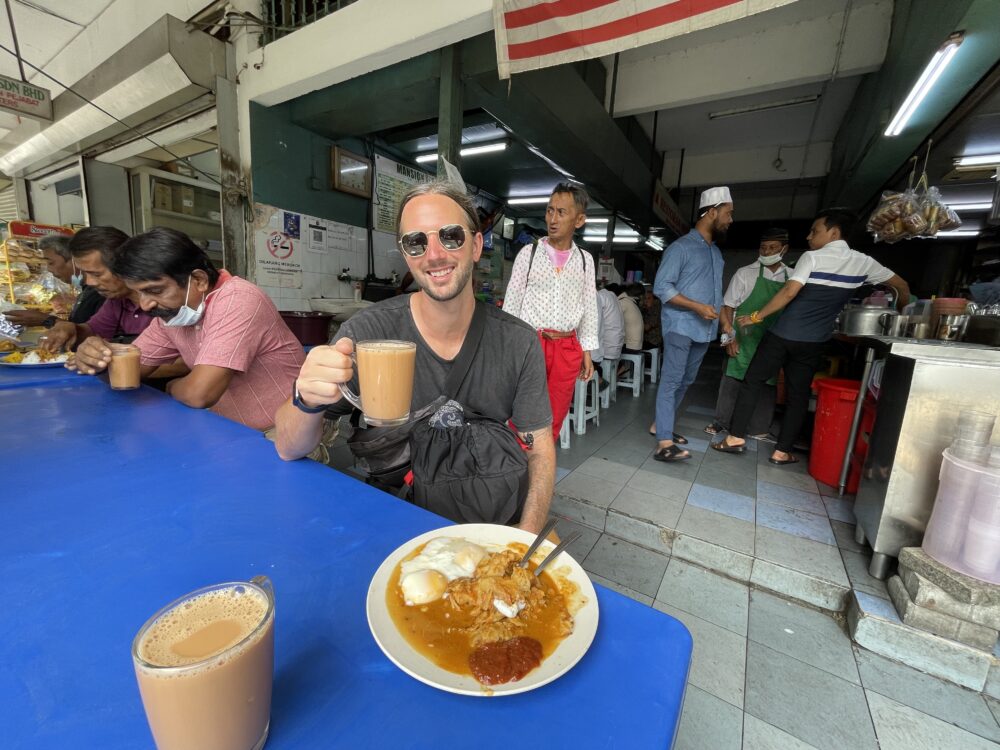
[243,360]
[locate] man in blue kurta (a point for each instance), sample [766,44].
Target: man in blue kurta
[689,284]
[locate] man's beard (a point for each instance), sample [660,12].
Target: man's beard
[163,312]
[718,234]
[461,274]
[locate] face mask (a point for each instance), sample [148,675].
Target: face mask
[76,279]
[770,260]
[186,316]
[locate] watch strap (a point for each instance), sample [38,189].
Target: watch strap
[297,402]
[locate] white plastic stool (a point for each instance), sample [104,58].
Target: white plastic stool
[564,434]
[654,363]
[609,369]
[634,379]
[581,413]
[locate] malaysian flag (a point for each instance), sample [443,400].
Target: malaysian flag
[538,33]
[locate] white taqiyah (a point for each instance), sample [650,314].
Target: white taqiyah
[715,196]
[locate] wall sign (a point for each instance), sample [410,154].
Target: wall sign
[392,181]
[25,98]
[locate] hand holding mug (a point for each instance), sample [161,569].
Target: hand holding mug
[325,369]
[92,356]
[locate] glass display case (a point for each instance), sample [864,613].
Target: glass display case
[189,205]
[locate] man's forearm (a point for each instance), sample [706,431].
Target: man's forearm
[296,433]
[541,481]
[679,300]
[726,318]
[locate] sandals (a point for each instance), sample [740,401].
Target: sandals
[783,461]
[714,428]
[677,438]
[723,448]
[671,454]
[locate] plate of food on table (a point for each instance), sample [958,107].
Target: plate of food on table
[454,609]
[14,356]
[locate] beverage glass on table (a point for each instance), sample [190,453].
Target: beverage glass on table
[205,665]
[385,381]
[124,370]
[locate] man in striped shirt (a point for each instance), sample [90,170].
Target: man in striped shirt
[817,290]
[241,357]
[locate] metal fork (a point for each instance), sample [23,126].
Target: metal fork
[550,524]
[555,553]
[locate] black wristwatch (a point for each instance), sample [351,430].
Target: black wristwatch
[50,321]
[297,402]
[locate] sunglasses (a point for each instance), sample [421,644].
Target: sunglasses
[414,244]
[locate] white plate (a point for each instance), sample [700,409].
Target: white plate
[403,655]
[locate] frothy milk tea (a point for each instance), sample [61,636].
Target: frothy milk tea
[385,378]
[125,368]
[205,669]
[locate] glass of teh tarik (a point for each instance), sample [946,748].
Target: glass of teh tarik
[385,381]
[205,665]
[124,369]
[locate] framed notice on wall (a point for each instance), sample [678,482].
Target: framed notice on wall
[351,173]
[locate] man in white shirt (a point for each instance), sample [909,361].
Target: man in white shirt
[552,288]
[610,328]
[819,287]
[751,288]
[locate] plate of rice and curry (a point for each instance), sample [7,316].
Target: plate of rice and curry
[453,609]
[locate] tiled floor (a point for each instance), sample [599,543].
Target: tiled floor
[767,673]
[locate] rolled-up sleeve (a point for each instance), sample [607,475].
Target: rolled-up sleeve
[737,290]
[668,273]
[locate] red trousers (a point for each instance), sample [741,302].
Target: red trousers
[563,358]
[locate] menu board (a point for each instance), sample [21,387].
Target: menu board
[392,181]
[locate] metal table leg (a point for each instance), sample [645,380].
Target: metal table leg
[845,467]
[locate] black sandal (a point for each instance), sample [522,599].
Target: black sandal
[783,461]
[680,439]
[671,454]
[723,448]
[714,428]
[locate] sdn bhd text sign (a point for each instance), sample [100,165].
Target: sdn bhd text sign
[25,98]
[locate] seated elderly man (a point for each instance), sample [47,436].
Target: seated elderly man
[242,358]
[440,240]
[610,331]
[59,260]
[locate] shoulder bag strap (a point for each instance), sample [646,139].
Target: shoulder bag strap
[460,367]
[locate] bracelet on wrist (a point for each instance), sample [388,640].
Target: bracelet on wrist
[755,316]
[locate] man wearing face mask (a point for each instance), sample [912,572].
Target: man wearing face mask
[750,289]
[242,358]
[59,260]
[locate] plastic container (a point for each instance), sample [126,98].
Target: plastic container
[964,529]
[835,399]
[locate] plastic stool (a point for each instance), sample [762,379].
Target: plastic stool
[564,434]
[634,380]
[581,413]
[653,370]
[609,369]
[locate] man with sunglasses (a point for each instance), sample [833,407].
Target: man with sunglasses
[440,240]
[552,288]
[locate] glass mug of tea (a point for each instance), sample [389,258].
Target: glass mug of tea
[205,666]
[385,381]
[125,368]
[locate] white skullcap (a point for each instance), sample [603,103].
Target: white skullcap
[715,196]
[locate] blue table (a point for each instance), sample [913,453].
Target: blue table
[17,377]
[118,502]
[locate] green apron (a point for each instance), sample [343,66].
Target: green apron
[762,292]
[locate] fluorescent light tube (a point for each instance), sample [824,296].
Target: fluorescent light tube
[618,240]
[985,160]
[597,220]
[924,84]
[528,201]
[486,148]
[959,233]
[979,206]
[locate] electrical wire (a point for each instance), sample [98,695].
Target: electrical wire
[48,12]
[99,108]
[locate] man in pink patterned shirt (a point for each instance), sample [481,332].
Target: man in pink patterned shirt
[243,360]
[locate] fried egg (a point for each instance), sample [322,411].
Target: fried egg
[424,578]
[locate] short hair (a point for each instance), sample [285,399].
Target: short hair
[105,240]
[448,190]
[162,252]
[615,289]
[580,197]
[57,243]
[635,290]
[842,218]
[775,234]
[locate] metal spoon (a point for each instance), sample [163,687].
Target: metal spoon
[551,524]
[555,553]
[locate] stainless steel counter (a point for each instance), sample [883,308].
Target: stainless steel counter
[924,385]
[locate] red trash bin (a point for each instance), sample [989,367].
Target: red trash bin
[834,413]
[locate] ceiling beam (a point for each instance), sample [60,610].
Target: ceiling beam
[748,165]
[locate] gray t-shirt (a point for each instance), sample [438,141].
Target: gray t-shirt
[506,379]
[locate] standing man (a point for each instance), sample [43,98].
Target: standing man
[552,288]
[822,282]
[750,289]
[689,284]
[440,240]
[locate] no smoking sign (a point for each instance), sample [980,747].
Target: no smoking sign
[280,245]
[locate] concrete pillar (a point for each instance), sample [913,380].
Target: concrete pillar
[21,198]
[450,109]
[235,249]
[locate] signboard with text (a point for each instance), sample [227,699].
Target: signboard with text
[665,208]
[25,98]
[392,181]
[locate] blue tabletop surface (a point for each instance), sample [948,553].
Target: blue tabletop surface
[117,502]
[16,377]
